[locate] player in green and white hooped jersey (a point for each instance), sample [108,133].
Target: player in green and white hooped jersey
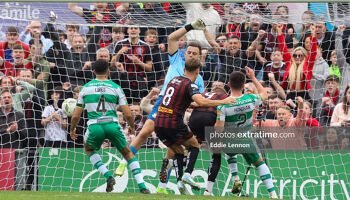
[240,115]
[100,97]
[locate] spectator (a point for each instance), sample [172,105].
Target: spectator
[334,67]
[118,34]
[20,91]
[102,14]
[233,58]
[11,68]
[251,33]
[249,88]
[55,122]
[135,54]
[221,39]
[314,127]
[320,72]
[210,17]
[300,65]
[38,64]
[235,24]
[283,10]
[33,31]
[334,140]
[330,99]
[12,124]
[160,60]
[72,28]
[285,119]
[7,47]
[341,113]
[32,109]
[344,66]
[210,66]
[308,18]
[276,66]
[274,102]
[80,58]
[59,56]
[325,40]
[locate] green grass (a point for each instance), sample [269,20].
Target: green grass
[37,195]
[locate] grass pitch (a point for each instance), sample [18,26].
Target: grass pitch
[38,195]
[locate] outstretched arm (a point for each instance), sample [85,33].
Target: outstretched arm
[287,58]
[216,47]
[176,35]
[75,9]
[341,60]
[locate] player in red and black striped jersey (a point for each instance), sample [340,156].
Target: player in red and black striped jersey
[202,117]
[205,116]
[169,125]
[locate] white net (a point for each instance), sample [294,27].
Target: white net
[37,152]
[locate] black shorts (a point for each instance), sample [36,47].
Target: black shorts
[198,121]
[171,136]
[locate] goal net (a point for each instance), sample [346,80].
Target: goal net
[309,58]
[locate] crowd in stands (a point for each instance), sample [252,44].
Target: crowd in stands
[42,65]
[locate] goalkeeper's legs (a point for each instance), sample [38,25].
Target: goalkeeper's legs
[96,161]
[135,168]
[136,144]
[265,175]
[213,171]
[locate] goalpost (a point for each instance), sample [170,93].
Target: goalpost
[299,175]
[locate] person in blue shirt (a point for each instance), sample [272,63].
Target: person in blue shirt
[176,68]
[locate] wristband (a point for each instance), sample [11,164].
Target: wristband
[188,27]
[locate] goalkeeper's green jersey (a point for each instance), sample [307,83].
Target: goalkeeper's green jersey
[100,99]
[239,114]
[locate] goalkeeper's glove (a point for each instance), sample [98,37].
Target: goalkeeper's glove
[196,25]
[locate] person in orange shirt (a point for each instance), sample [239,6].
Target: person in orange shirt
[285,118]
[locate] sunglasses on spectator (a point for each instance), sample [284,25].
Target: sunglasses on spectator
[222,40]
[298,55]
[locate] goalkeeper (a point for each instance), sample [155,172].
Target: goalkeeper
[100,97]
[176,68]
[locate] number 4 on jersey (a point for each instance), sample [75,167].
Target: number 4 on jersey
[101,105]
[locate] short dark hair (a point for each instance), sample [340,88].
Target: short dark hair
[237,80]
[4,91]
[58,90]
[31,42]
[118,29]
[100,66]
[274,96]
[192,64]
[196,44]
[333,78]
[12,29]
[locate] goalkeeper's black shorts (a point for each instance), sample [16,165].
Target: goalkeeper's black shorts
[198,121]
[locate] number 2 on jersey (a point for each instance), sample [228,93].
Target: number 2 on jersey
[242,118]
[168,94]
[101,105]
